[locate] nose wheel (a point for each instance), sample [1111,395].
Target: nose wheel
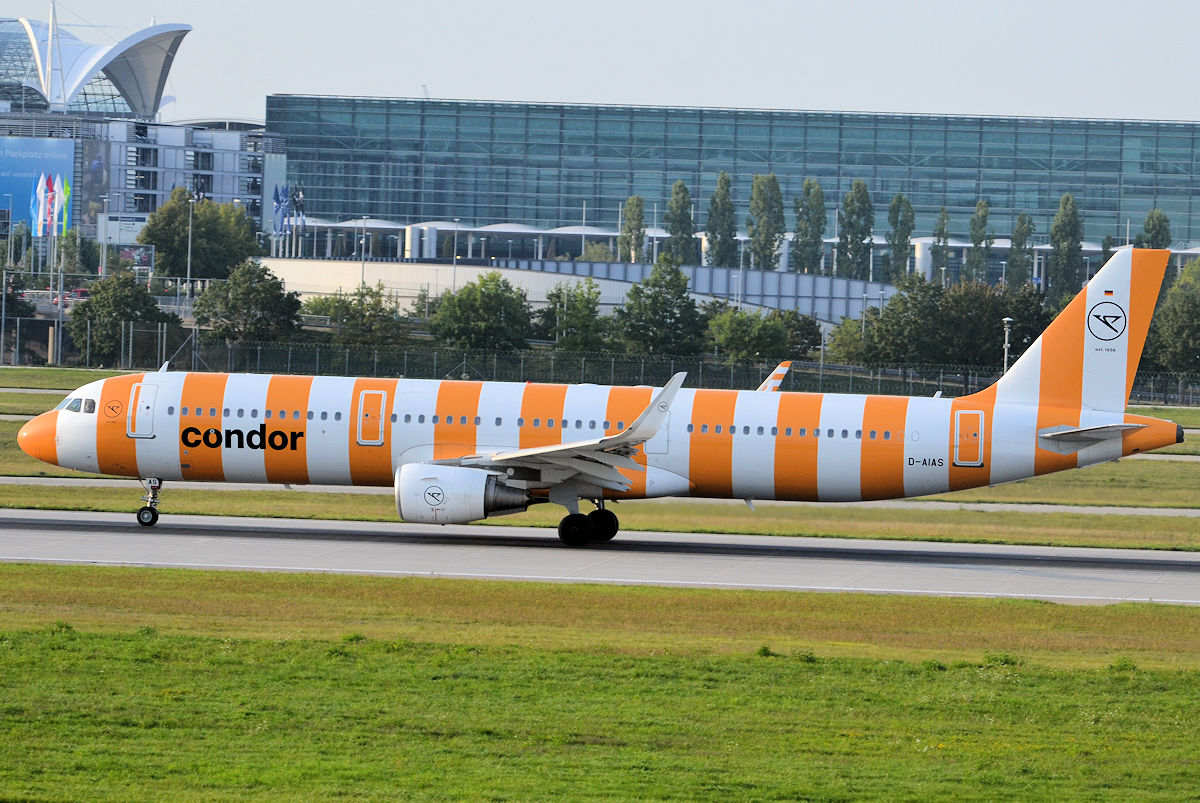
[148,516]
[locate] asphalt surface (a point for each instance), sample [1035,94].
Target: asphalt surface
[1081,576]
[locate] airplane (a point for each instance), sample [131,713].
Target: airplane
[460,451]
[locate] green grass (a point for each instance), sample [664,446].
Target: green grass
[30,404]
[19,376]
[170,683]
[1187,417]
[1137,483]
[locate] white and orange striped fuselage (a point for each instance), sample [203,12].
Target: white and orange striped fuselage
[460,450]
[715,443]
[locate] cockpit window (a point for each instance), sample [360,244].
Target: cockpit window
[74,405]
[89,405]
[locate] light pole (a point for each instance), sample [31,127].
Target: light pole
[8,238]
[1007,328]
[362,244]
[454,273]
[104,241]
[510,249]
[1003,271]
[864,316]
[191,208]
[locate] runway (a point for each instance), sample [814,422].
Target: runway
[1070,575]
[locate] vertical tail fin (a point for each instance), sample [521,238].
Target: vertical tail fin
[1088,356]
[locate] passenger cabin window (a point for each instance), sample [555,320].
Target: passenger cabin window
[212,411]
[325,415]
[337,416]
[171,410]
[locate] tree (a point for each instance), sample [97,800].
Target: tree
[1107,246]
[115,301]
[808,243]
[572,319]
[1065,267]
[743,337]
[251,306]
[681,229]
[425,305]
[633,230]
[1019,269]
[976,267]
[803,332]
[909,329]
[1174,341]
[486,314]
[939,250]
[1156,231]
[222,236]
[902,219]
[596,252]
[765,225]
[659,316]
[856,219]
[721,227]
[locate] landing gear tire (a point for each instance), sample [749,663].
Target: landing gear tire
[147,516]
[604,524]
[575,530]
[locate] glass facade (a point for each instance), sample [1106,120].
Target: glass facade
[414,160]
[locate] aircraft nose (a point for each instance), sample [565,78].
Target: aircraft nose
[36,438]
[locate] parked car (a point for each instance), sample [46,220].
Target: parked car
[78,294]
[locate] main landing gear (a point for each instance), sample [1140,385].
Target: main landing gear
[148,515]
[578,529]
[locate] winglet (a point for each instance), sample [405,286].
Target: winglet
[647,425]
[163,368]
[775,379]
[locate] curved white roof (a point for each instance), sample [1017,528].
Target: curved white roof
[137,65]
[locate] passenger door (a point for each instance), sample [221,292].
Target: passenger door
[139,421]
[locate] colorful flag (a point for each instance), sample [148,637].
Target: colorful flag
[39,220]
[64,191]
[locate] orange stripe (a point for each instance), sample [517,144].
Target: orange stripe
[206,391]
[289,394]
[116,452]
[456,401]
[1061,381]
[372,465]
[883,459]
[542,402]
[1156,434]
[1145,278]
[974,476]
[796,455]
[624,406]
[710,462]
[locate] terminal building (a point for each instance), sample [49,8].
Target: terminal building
[86,111]
[548,165]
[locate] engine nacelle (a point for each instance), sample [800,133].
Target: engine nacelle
[436,494]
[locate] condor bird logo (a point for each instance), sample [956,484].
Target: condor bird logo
[1106,321]
[434,496]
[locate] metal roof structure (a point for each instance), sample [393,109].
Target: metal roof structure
[44,67]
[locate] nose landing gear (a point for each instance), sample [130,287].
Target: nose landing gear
[148,515]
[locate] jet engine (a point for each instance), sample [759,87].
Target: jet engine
[435,494]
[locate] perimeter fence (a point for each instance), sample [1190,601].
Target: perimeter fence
[147,347]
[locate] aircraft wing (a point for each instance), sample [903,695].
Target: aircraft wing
[772,382]
[594,461]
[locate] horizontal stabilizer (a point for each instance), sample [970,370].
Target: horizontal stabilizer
[1066,440]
